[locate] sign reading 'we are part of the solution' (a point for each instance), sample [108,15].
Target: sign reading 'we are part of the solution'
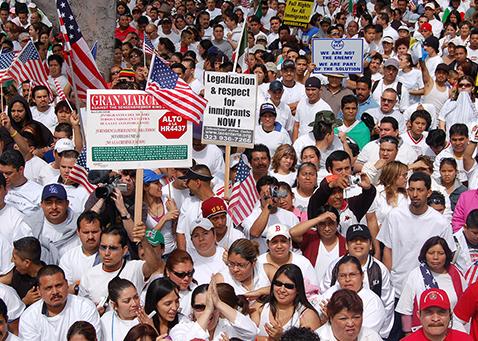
[128,129]
[337,55]
[230,116]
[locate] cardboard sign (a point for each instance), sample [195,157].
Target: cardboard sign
[129,129]
[337,55]
[297,13]
[230,116]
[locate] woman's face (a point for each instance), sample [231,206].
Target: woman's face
[44,38]
[465,31]
[154,189]
[402,50]
[464,85]
[349,277]
[401,181]
[307,178]
[279,247]
[128,303]
[453,18]
[286,162]
[168,306]
[260,75]
[286,202]
[336,198]
[284,290]
[182,275]
[359,248]
[268,120]
[240,268]
[346,325]
[18,112]
[436,258]
[450,31]
[310,156]
[448,174]
[199,305]
[327,229]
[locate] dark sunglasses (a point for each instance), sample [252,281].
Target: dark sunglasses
[183,274]
[199,307]
[289,286]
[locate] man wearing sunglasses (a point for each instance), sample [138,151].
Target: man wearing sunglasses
[387,102]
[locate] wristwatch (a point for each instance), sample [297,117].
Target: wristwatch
[126,217]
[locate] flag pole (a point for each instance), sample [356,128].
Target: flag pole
[227,172]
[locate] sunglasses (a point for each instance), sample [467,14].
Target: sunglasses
[184,274]
[386,100]
[289,286]
[199,307]
[109,247]
[466,85]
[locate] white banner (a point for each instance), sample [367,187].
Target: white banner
[337,55]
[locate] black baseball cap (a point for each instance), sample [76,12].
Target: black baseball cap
[358,231]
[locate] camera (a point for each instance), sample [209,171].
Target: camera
[112,183]
[354,180]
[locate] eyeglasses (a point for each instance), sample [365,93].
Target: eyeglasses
[351,275]
[436,201]
[199,307]
[184,274]
[465,85]
[241,266]
[386,100]
[289,286]
[109,247]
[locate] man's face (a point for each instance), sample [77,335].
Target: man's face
[435,322]
[179,72]
[352,28]
[276,95]
[211,4]
[193,186]
[471,234]
[288,75]
[375,65]
[418,194]
[460,55]
[362,91]
[265,194]
[123,22]
[341,167]
[12,176]
[458,143]
[55,68]
[313,94]
[402,5]
[219,221]
[369,35]
[300,66]
[275,24]
[441,76]
[259,162]
[89,233]
[429,12]
[53,290]
[388,151]
[128,179]
[350,111]
[388,101]
[386,129]
[111,251]
[218,33]
[41,99]
[474,41]
[66,165]
[4,15]
[255,27]
[55,210]
[390,73]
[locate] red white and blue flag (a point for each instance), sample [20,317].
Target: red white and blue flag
[27,65]
[79,172]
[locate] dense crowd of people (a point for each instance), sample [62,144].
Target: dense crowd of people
[366,226]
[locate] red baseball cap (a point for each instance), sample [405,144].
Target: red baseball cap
[434,298]
[213,206]
[426,27]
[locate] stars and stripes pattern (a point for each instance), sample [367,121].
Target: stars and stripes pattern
[244,194]
[27,65]
[85,73]
[79,172]
[148,47]
[6,60]
[59,89]
[173,92]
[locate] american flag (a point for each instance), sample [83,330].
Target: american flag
[85,72]
[173,92]
[148,46]
[94,50]
[27,65]
[244,194]
[79,172]
[59,90]
[6,59]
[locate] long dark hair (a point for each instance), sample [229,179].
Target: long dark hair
[157,290]
[292,272]
[431,243]
[28,114]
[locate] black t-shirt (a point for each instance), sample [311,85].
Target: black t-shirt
[22,283]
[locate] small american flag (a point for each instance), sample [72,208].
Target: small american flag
[59,89]
[148,46]
[28,66]
[79,172]
[6,59]
[244,194]
[173,92]
[94,50]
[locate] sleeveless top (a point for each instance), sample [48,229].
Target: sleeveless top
[293,322]
[436,97]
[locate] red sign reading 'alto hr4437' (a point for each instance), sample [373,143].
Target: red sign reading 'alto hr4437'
[172,126]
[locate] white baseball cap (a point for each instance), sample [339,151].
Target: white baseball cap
[63,145]
[277,230]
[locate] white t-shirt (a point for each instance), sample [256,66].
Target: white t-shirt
[114,328]
[13,226]
[378,114]
[289,178]
[48,118]
[370,153]
[36,326]
[77,196]
[405,233]
[6,250]
[47,172]
[232,234]
[305,113]
[272,139]
[293,94]
[94,283]
[190,211]
[309,140]
[206,267]
[420,146]
[280,217]
[412,80]
[432,63]
[14,304]
[33,168]
[75,263]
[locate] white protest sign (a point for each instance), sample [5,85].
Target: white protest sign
[230,116]
[116,139]
[337,55]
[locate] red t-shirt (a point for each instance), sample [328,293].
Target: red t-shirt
[121,35]
[467,308]
[453,335]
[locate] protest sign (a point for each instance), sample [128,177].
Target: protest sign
[230,116]
[337,55]
[297,13]
[128,129]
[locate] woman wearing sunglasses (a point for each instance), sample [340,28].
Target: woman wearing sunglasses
[180,270]
[243,273]
[286,306]
[216,316]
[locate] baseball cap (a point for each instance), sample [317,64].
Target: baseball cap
[256,48]
[430,5]
[203,223]
[270,66]
[276,86]
[404,27]
[387,39]
[326,20]
[166,20]
[434,297]
[261,36]
[191,174]
[288,64]
[150,176]
[328,117]
[54,191]
[433,42]
[358,231]
[426,27]
[312,82]
[267,107]
[277,230]
[63,145]
[154,237]
[235,158]
[213,206]
[442,67]
[391,62]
